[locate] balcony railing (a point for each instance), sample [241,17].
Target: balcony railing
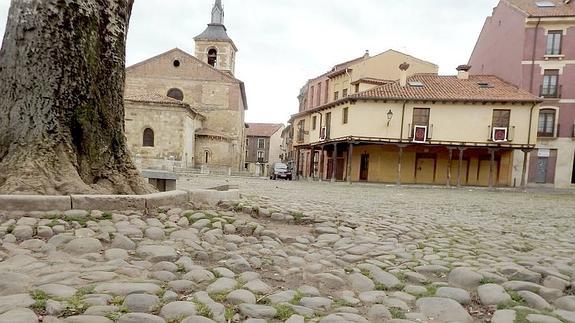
[550,91]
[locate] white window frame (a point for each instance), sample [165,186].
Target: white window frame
[264,143]
[415,131]
[495,129]
[263,155]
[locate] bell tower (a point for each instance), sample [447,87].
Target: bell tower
[214,46]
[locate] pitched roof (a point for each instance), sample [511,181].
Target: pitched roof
[227,75]
[371,80]
[530,8]
[263,129]
[153,98]
[450,88]
[216,32]
[205,132]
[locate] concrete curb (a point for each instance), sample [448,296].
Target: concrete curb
[35,203]
[30,203]
[167,199]
[108,202]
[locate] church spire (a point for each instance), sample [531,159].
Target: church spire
[218,13]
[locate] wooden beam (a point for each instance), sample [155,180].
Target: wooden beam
[491,166]
[399,161]
[524,170]
[311,163]
[449,166]
[349,159]
[460,166]
[334,163]
[321,162]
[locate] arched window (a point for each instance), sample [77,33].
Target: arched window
[148,138]
[176,94]
[207,156]
[213,57]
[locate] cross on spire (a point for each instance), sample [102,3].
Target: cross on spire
[218,13]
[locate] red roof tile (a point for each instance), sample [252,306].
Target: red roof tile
[153,98]
[371,80]
[263,129]
[450,88]
[530,8]
[205,132]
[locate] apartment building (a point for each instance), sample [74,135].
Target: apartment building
[263,147]
[353,76]
[531,44]
[421,129]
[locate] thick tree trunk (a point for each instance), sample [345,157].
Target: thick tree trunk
[62,71]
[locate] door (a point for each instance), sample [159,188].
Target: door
[364,167]
[484,170]
[542,166]
[329,171]
[425,170]
[340,168]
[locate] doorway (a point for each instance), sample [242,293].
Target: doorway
[484,169]
[425,168]
[339,170]
[541,171]
[364,167]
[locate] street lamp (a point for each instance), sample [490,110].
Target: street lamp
[389,117]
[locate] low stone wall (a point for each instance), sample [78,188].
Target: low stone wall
[115,202]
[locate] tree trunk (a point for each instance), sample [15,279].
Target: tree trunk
[62,71]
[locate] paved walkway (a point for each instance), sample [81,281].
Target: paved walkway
[297,252]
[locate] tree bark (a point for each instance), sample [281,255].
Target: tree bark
[62,73]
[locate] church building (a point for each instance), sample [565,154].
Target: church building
[187,111]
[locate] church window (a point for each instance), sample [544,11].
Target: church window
[177,63]
[176,94]
[148,138]
[212,57]
[207,156]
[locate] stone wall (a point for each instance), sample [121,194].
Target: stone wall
[226,54]
[172,126]
[214,94]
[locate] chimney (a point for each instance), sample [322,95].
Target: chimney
[403,74]
[463,72]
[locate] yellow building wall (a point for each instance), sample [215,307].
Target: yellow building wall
[383,166]
[460,123]
[385,66]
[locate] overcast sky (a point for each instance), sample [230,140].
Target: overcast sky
[283,43]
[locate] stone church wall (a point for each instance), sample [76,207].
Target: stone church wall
[172,125]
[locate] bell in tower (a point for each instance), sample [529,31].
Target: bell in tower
[214,46]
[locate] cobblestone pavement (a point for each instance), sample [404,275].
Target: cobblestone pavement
[297,252]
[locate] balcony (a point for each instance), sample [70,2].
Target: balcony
[550,91]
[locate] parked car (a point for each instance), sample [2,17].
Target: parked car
[280,170]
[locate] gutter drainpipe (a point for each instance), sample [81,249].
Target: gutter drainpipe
[402,120]
[533,55]
[531,123]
